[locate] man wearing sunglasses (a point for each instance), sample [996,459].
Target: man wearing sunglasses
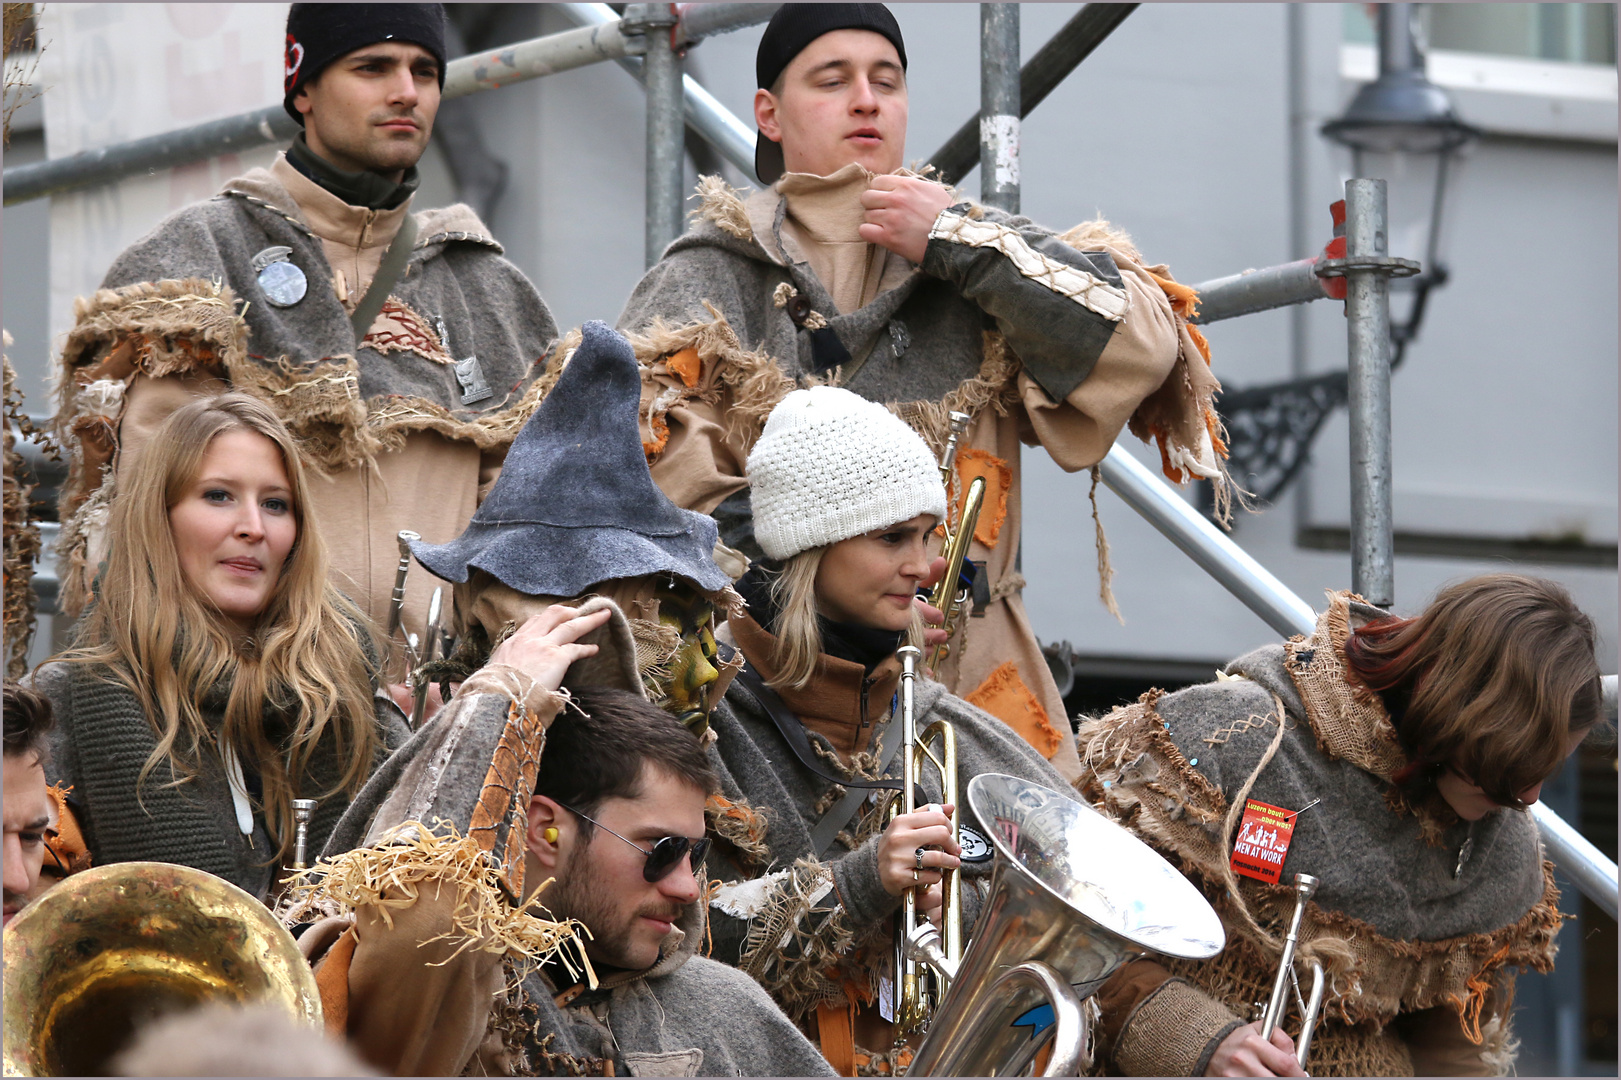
[576,770]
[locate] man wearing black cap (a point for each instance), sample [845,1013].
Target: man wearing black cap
[852,268]
[399,347]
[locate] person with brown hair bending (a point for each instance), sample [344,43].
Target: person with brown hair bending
[1385,757]
[218,675]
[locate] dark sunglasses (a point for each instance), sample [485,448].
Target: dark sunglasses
[666,854]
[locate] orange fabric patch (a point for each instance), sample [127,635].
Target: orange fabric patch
[835,1028]
[332,980]
[661,438]
[1004,695]
[687,365]
[998,482]
[501,815]
[66,841]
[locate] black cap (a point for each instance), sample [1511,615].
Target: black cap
[318,34]
[795,26]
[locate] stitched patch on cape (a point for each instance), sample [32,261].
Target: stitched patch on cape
[500,817]
[398,328]
[1081,286]
[972,464]
[1004,695]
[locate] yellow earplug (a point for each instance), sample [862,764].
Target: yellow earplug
[550,835]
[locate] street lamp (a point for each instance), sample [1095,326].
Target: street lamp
[1403,128]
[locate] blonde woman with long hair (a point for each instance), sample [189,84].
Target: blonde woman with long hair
[218,676]
[845,497]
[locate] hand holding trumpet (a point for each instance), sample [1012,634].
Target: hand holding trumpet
[915,848]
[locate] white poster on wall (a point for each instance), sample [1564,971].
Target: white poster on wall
[116,72]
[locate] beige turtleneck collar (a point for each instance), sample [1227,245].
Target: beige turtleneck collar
[821,226]
[353,237]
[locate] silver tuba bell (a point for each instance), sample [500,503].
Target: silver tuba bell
[1072,897]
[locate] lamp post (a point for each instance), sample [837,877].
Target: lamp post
[1403,128]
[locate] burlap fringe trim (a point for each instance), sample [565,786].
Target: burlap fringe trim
[22,539]
[411,857]
[720,203]
[1136,773]
[179,326]
[798,964]
[741,825]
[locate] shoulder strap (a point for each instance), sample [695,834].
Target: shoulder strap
[842,812]
[793,732]
[388,272]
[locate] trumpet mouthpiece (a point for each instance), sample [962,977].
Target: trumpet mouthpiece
[1306,885]
[406,537]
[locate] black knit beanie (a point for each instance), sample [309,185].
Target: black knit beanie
[318,34]
[795,26]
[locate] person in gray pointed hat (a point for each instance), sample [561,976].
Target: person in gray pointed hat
[575,514]
[422,908]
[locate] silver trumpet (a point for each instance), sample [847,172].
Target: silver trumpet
[915,999]
[303,811]
[1073,896]
[1278,1004]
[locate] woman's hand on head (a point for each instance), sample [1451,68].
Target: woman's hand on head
[1245,1053]
[928,827]
[548,642]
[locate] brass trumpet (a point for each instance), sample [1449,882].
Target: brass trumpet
[920,986]
[1305,886]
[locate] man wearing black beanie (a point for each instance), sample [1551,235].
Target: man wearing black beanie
[399,347]
[908,293]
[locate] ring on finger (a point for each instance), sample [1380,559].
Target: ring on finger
[919,855]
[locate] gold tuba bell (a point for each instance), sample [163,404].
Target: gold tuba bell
[113,948]
[1073,896]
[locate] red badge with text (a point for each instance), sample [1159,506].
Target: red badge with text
[1263,841]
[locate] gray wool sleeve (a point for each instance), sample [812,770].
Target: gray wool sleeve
[861,891]
[1013,270]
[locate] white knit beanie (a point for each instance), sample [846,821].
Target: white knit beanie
[831,465]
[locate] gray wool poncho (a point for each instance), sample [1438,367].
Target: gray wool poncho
[1404,927]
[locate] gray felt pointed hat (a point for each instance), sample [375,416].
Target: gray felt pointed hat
[575,503]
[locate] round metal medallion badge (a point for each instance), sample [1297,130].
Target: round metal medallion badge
[283,283]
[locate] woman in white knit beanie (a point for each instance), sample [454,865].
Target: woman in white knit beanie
[845,496]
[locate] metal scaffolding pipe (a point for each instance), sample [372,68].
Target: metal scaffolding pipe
[666,151]
[599,39]
[1259,290]
[699,21]
[1367,313]
[1073,43]
[1587,868]
[999,106]
[713,122]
